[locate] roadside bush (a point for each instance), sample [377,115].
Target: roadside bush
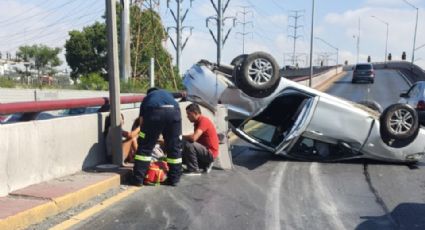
[7,83]
[93,81]
[134,86]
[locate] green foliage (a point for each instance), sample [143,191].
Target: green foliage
[86,50]
[6,83]
[148,34]
[134,85]
[43,58]
[93,81]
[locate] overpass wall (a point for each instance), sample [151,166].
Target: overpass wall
[37,151]
[17,95]
[323,77]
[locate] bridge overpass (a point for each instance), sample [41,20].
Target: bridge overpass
[245,185]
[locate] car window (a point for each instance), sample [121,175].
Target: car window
[363,67]
[261,131]
[413,91]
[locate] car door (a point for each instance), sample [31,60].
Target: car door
[337,121]
[260,132]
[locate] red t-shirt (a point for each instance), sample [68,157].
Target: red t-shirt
[209,137]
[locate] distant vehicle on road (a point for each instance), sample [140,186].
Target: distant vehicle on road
[287,118]
[415,97]
[363,72]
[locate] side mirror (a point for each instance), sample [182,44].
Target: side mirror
[404,95]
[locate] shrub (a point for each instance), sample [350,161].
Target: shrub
[93,81]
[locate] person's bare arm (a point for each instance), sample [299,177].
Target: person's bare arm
[194,136]
[135,132]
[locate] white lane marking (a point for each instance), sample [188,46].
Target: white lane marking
[325,199]
[273,198]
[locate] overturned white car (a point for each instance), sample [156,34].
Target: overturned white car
[284,117]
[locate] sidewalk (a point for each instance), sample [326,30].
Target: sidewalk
[35,203]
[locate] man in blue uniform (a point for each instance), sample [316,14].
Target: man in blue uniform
[159,114]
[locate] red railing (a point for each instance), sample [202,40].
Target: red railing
[39,106]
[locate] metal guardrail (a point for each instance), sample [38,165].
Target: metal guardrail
[39,106]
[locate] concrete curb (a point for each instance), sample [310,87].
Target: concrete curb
[59,204]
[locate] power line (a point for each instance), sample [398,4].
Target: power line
[26,12]
[38,36]
[68,15]
[48,12]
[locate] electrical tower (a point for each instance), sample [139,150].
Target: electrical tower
[179,19]
[244,23]
[294,17]
[220,21]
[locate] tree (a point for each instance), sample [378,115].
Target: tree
[403,56]
[86,50]
[389,57]
[368,58]
[42,57]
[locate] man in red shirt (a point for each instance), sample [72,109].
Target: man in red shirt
[201,147]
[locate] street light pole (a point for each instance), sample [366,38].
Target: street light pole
[311,44]
[386,42]
[416,29]
[327,43]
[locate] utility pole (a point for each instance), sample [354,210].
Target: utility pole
[125,65]
[114,84]
[220,21]
[244,23]
[179,19]
[296,15]
[358,43]
[311,45]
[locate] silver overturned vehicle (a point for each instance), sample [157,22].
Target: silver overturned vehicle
[286,118]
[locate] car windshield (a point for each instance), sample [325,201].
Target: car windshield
[363,67]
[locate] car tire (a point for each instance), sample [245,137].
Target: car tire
[399,122]
[258,76]
[371,105]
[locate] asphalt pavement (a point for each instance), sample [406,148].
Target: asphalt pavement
[265,191]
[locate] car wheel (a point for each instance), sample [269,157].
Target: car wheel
[400,122]
[371,105]
[259,75]
[238,60]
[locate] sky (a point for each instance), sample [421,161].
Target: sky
[270,27]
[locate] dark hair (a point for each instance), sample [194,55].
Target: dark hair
[151,90]
[194,108]
[108,124]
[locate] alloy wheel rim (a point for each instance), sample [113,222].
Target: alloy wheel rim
[260,72]
[401,121]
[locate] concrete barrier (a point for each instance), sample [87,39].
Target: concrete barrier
[17,95]
[322,77]
[37,151]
